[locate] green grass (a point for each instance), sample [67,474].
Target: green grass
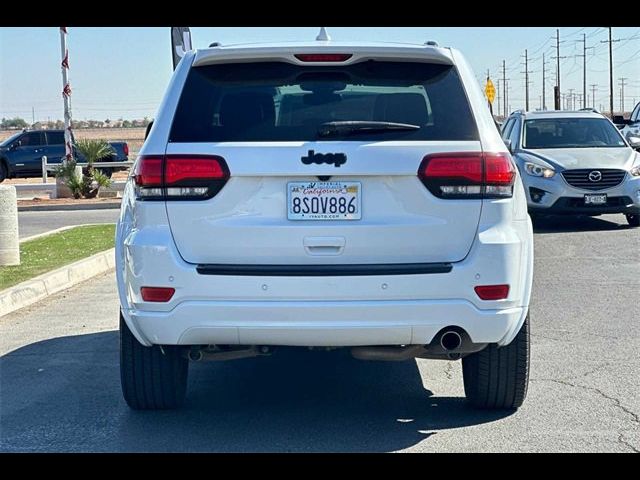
[53,251]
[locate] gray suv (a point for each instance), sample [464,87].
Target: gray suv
[575,163]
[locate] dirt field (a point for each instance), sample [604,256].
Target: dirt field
[133,136]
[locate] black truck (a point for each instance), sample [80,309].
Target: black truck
[21,154]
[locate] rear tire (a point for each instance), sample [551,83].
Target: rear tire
[152,378]
[3,172]
[498,377]
[633,219]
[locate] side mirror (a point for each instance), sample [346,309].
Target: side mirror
[507,143]
[146,133]
[619,120]
[15,145]
[634,142]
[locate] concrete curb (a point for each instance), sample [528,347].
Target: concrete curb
[34,290]
[69,206]
[58,230]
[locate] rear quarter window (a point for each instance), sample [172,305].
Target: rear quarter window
[55,138]
[276,101]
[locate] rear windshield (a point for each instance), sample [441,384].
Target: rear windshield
[276,101]
[571,133]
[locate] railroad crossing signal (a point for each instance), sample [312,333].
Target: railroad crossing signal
[490,91]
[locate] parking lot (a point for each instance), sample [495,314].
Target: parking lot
[60,389]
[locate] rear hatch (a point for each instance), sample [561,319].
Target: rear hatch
[353,136]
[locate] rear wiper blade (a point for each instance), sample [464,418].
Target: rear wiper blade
[354,126]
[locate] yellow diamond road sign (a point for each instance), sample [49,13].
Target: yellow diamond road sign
[490,91]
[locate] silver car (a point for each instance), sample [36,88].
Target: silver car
[575,163]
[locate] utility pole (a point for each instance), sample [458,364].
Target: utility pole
[594,86]
[33,116]
[544,104]
[610,42]
[557,91]
[570,99]
[504,86]
[622,83]
[526,81]
[584,71]
[506,96]
[498,95]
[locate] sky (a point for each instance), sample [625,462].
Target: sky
[122,72]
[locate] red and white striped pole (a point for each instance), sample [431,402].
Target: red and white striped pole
[66,94]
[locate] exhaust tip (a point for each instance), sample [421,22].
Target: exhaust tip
[450,340]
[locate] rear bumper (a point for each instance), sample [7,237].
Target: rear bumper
[323,310]
[348,323]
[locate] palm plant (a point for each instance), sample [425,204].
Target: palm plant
[93,150]
[90,182]
[101,179]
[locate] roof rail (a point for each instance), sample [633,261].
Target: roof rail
[588,109]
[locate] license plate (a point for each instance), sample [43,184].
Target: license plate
[599,199]
[323,200]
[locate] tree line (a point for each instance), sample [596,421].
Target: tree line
[18,123]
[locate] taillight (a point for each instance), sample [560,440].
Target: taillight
[180,177]
[492,292]
[468,175]
[323,57]
[499,175]
[148,171]
[125,149]
[157,294]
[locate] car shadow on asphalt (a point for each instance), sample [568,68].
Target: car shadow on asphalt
[576,223]
[64,394]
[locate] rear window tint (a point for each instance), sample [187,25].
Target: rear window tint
[55,138]
[276,101]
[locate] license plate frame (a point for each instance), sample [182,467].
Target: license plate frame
[324,191]
[595,199]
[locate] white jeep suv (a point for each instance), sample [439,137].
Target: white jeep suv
[324,195]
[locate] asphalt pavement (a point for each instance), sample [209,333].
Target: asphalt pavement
[33,223]
[60,387]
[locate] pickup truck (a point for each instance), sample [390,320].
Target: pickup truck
[21,154]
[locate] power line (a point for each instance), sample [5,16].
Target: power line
[634,56]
